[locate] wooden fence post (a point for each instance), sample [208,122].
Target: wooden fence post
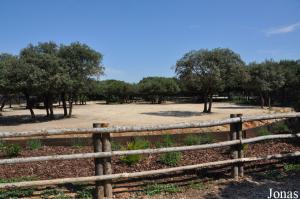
[234,152]
[239,129]
[97,142]
[107,169]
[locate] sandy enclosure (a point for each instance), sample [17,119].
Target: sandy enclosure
[126,114]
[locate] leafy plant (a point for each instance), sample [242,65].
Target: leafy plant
[12,150]
[170,159]
[199,185]
[279,127]
[115,146]
[49,193]
[198,139]
[263,131]
[85,193]
[154,189]
[77,143]
[134,145]
[34,144]
[291,167]
[16,193]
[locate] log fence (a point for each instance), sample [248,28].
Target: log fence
[102,151]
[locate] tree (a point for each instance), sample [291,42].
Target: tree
[82,63]
[115,91]
[44,56]
[266,78]
[156,89]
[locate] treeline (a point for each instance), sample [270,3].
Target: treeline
[49,73]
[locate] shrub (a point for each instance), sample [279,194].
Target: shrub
[168,141]
[12,150]
[154,189]
[291,167]
[134,145]
[85,193]
[115,146]
[279,127]
[170,159]
[263,131]
[34,144]
[198,139]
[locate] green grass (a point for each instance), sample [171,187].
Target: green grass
[171,158]
[134,145]
[198,139]
[115,146]
[290,167]
[12,150]
[16,193]
[263,131]
[77,143]
[279,127]
[34,144]
[198,185]
[85,193]
[154,189]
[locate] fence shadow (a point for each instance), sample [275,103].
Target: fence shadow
[26,119]
[175,113]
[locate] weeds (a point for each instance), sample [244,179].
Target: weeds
[170,159]
[77,143]
[289,167]
[34,144]
[198,139]
[134,145]
[199,185]
[263,131]
[12,150]
[154,189]
[279,127]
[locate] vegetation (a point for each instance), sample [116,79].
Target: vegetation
[198,139]
[171,158]
[16,193]
[34,144]
[279,127]
[137,143]
[12,150]
[154,189]
[263,131]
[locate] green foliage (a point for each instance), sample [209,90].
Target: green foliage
[279,127]
[16,193]
[50,193]
[199,185]
[198,139]
[34,144]
[12,150]
[171,158]
[77,143]
[85,193]
[263,131]
[273,174]
[134,145]
[154,189]
[289,167]
[156,89]
[115,146]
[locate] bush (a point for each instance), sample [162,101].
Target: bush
[115,146]
[34,144]
[12,150]
[263,131]
[170,159]
[198,139]
[279,127]
[161,188]
[134,145]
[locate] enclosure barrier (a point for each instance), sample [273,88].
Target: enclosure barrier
[102,151]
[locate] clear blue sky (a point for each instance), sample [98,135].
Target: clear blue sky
[145,38]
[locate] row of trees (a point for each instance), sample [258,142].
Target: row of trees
[47,72]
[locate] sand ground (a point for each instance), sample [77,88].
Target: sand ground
[124,114]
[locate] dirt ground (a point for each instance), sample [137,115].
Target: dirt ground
[17,119]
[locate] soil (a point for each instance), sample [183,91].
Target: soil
[18,119]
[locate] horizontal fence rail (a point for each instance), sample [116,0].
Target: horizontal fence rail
[102,150]
[146,151]
[123,129]
[142,173]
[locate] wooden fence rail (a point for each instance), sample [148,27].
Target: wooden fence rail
[102,151]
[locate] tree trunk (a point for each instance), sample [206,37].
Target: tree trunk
[262,101]
[46,106]
[29,105]
[269,101]
[63,99]
[2,105]
[205,104]
[210,104]
[70,107]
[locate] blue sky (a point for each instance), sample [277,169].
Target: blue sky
[145,38]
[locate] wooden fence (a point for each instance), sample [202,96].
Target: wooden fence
[103,153]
